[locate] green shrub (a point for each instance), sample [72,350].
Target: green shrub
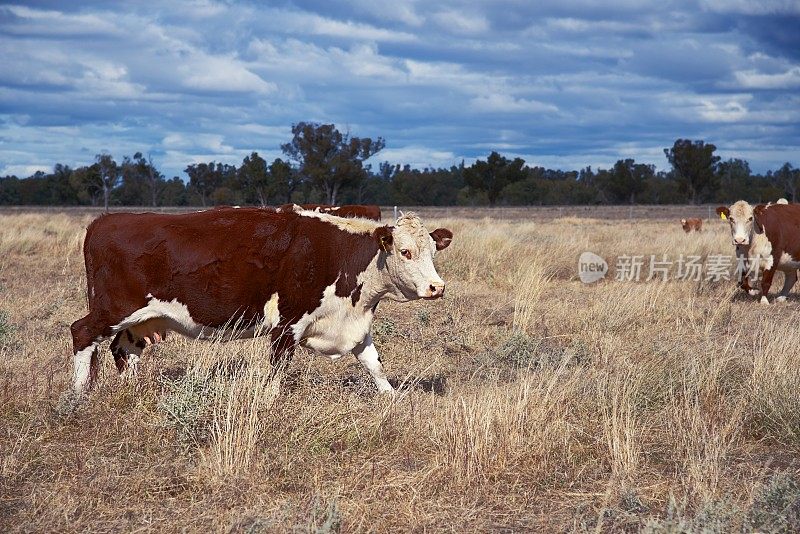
[186,405]
[519,351]
[383,328]
[6,328]
[713,517]
[776,507]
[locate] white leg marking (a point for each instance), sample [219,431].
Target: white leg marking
[272,316]
[368,356]
[133,365]
[82,369]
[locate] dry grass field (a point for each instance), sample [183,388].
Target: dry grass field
[528,401]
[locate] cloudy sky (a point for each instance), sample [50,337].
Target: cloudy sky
[561,83]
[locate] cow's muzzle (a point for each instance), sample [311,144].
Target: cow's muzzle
[434,291]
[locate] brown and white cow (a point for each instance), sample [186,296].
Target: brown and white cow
[304,278]
[692,224]
[755,248]
[366,211]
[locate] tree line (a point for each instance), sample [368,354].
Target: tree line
[324,165]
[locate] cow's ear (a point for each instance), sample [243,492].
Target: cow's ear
[758,214]
[442,237]
[723,212]
[383,235]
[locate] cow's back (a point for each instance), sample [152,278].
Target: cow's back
[219,263]
[781,225]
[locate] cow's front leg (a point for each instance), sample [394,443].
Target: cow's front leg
[369,358]
[766,281]
[790,278]
[282,348]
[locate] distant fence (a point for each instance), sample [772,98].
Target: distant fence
[619,213]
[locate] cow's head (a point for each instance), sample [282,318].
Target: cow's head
[409,249]
[740,218]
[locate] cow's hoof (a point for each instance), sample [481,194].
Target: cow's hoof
[782,298]
[764,300]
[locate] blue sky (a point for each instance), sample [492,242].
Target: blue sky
[562,84]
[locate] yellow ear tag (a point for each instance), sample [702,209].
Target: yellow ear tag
[722,216]
[386,243]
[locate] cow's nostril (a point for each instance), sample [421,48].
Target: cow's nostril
[432,288]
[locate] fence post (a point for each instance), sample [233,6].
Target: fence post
[395,213]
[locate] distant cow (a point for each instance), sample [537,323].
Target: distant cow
[692,224]
[755,247]
[301,278]
[348,210]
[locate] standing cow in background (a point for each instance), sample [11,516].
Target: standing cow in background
[755,247]
[304,278]
[692,224]
[780,223]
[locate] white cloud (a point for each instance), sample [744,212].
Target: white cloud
[753,79]
[214,73]
[56,23]
[417,156]
[572,24]
[749,7]
[305,23]
[214,143]
[457,21]
[713,108]
[398,10]
[23,171]
[508,104]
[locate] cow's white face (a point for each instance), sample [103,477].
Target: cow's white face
[740,218]
[409,260]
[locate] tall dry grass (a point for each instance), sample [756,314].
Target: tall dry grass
[529,401]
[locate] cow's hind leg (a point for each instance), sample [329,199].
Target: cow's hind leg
[87,333]
[790,278]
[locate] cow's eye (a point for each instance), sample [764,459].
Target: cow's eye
[406,253]
[750,219]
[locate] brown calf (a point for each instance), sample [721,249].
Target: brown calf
[692,224]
